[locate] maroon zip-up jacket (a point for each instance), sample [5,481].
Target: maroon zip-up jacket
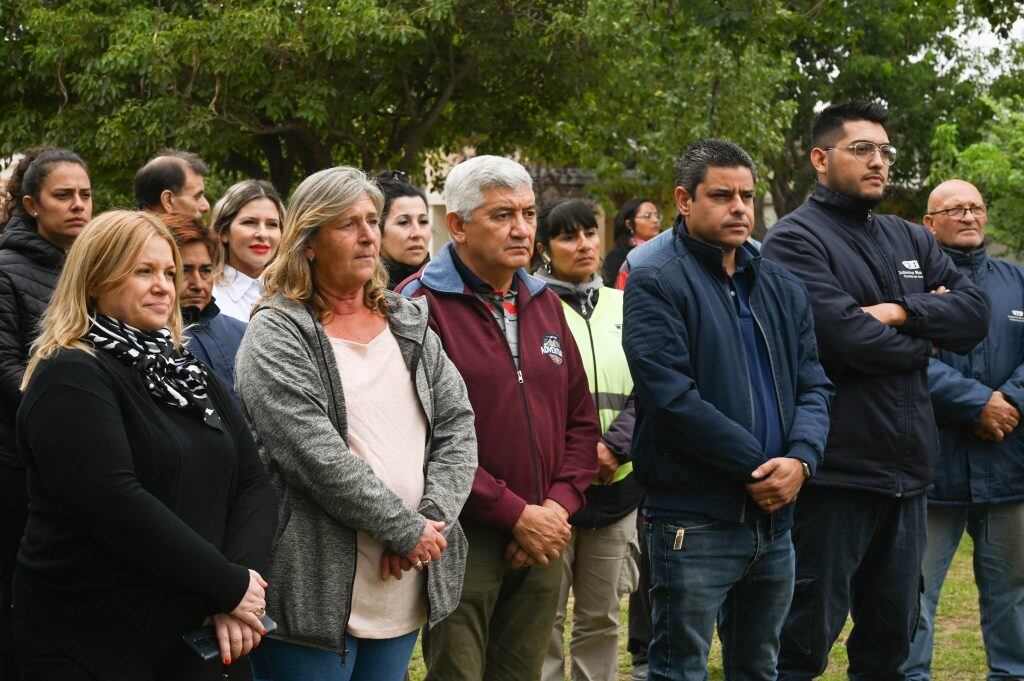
[536,427]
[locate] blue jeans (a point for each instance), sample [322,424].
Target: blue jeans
[998,534]
[367,660]
[712,567]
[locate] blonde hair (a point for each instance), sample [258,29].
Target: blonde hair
[237,197]
[320,198]
[104,255]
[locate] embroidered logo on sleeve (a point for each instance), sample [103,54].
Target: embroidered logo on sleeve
[551,345]
[1016,316]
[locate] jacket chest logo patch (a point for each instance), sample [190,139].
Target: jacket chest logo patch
[551,345]
[911,270]
[1016,316]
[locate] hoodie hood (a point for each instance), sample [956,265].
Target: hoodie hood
[583,295]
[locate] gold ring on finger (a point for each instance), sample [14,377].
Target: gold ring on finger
[770,501]
[260,611]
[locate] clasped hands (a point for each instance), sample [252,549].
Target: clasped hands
[778,482]
[539,536]
[430,547]
[241,630]
[998,418]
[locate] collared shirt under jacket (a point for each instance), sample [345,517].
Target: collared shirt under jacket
[536,425]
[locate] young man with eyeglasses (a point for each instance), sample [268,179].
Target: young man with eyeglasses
[885,298]
[979,482]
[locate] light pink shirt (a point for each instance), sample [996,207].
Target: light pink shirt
[388,430]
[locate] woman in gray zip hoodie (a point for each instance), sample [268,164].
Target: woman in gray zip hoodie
[367,431]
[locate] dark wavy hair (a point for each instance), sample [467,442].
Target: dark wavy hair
[28,178]
[394,187]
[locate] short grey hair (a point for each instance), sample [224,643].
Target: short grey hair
[692,165]
[464,188]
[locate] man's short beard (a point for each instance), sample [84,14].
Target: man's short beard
[854,192]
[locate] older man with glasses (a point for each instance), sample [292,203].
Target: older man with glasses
[979,482]
[885,297]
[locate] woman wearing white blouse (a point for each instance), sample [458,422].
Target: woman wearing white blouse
[248,221]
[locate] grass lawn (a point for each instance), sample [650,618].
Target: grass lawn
[959,653]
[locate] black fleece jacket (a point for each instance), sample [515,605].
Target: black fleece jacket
[882,436]
[29,267]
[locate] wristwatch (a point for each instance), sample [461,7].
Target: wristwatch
[807,470]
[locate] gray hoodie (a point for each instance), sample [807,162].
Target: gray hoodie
[291,393]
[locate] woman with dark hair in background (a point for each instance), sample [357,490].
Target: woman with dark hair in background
[599,564]
[636,222]
[404,228]
[247,220]
[49,201]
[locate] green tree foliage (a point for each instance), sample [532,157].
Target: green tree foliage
[901,52]
[670,73]
[995,164]
[282,88]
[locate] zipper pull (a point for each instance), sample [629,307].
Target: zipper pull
[519,373]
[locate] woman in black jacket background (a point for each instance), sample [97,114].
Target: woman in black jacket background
[637,222]
[50,201]
[404,228]
[150,510]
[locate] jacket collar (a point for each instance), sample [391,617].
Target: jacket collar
[192,315]
[841,202]
[443,276]
[21,235]
[399,271]
[711,256]
[976,257]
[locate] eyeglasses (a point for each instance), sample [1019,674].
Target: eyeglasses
[650,215]
[960,212]
[865,151]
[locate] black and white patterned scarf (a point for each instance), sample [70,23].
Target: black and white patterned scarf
[177,380]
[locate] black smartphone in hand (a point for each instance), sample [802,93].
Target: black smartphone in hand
[203,641]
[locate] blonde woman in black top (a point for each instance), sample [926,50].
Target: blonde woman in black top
[149,508]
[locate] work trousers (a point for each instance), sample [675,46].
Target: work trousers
[857,553]
[501,627]
[598,566]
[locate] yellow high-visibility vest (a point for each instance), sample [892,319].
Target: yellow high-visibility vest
[600,342]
